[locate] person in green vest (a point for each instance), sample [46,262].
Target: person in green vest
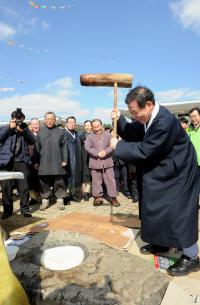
[194,130]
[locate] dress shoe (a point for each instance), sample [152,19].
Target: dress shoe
[135,198]
[26,214]
[114,202]
[127,195]
[67,200]
[86,196]
[6,215]
[184,265]
[98,201]
[153,249]
[76,198]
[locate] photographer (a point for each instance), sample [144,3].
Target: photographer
[14,156]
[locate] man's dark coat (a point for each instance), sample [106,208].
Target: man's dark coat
[74,167]
[52,148]
[168,179]
[86,175]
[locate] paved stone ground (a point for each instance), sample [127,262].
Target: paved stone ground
[127,207]
[16,221]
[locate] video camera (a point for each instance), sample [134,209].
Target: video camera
[19,116]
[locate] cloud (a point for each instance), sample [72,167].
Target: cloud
[65,83]
[36,104]
[22,25]
[103,114]
[121,94]
[26,25]
[169,96]
[45,25]
[7,89]
[187,13]
[62,87]
[61,97]
[22,21]
[174,95]
[7,10]
[57,97]
[6,31]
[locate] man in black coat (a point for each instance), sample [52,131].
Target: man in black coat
[52,148]
[14,156]
[74,167]
[86,174]
[168,178]
[34,128]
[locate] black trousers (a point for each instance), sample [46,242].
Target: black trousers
[34,181]
[57,181]
[121,174]
[22,186]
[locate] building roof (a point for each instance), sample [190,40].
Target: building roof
[181,107]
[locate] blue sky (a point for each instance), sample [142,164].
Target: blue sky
[156,41]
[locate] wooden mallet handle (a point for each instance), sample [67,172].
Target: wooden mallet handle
[115,107]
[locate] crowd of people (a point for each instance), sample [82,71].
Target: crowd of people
[162,151]
[58,161]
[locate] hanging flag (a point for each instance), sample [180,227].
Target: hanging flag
[13,43]
[12,79]
[53,7]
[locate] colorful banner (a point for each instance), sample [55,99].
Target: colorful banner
[11,79]
[13,43]
[53,7]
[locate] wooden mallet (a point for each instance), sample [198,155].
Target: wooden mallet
[115,80]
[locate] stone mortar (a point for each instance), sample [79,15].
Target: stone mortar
[108,276]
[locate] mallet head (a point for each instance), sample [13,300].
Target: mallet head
[107,80]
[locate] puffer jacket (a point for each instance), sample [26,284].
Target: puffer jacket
[8,138]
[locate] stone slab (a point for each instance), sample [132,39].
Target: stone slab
[106,277]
